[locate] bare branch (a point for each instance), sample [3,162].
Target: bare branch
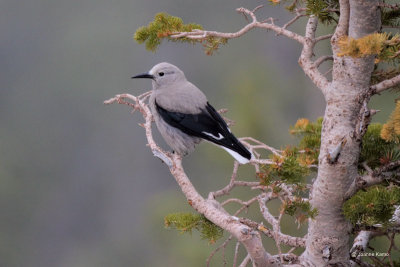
[310,68]
[321,60]
[277,229]
[343,24]
[262,200]
[257,8]
[308,41]
[143,108]
[392,245]
[245,206]
[385,85]
[288,193]
[285,239]
[361,182]
[200,34]
[293,20]
[371,178]
[241,202]
[229,187]
[216,214]
[260,145]
[360,243]
[323,37]
[223,245]
[290,258]
[388,167]
[245,261]
[236,254]
[394,6]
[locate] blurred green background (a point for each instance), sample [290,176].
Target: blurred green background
[78,186]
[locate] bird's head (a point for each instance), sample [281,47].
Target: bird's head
[163,74]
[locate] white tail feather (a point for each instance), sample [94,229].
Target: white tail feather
[237,156]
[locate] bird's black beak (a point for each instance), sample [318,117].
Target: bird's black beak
[143,75]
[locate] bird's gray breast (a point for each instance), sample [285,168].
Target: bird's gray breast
[180,142]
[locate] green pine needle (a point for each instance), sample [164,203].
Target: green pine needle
[186,222]
[390,17]
[162,27]
[376,205]
[301,210]
[165,25]
[374,148]
[322,9]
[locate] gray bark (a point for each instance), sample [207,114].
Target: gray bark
[327,242]
[328,239]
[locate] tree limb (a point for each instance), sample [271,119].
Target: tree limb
[309,67]
[285,239]
[361,242]
[342,27]
[308,41]
[201,34]
[245,261]
[385,85]
[223,245]
[371,178]
[321,60]
[247,236]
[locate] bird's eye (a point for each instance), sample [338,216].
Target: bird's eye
[161,74]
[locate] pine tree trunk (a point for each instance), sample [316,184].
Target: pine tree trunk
[328,237]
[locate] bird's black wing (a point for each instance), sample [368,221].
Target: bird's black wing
[207,124]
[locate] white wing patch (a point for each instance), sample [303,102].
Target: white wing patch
[213,136]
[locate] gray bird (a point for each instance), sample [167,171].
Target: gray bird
[184,117]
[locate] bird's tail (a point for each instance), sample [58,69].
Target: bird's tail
[242,158]
[237,150]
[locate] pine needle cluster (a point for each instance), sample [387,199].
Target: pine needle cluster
[390,53]
[325,10]
[287,169]
[376,205]
[391,129]
[310,134]
[293,166]
[162,27]
[379,145]
[372,206]
[186,222]
[301,210]
[376,150]
[371,44]
[165,25]
[385,46]
[390,17]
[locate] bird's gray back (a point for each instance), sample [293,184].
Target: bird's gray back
[181,96]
